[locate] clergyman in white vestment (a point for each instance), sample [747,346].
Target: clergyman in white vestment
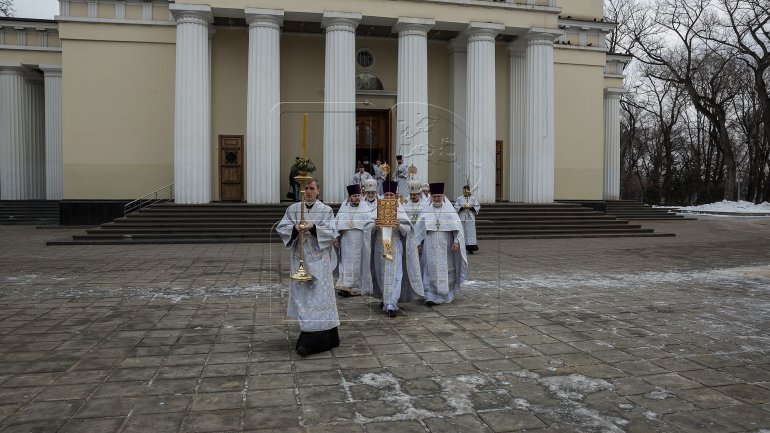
[440,235]
[354,223]
[467,208]
[399,279]
[313,302]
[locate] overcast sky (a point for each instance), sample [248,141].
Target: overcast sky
[36,8]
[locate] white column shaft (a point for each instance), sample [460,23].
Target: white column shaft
[517,98]
[54,182]
[13,157]
[539,123]
[458,61]
[263,144]
[480,112]
[611,146]
[192,118]
[339,107]
[412,99]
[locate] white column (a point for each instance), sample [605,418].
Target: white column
[458,77]
[64,8]
[54,182]
[35,144]
[147,10]
[480,110]
[339,103]
[612,143]
[412,100]
[517,100]
[13,156]
[538,118]
[93,9]
[263,110]
[192,114]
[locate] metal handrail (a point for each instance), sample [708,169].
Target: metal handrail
[145,200]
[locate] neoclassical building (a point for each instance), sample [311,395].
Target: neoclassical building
[117,98]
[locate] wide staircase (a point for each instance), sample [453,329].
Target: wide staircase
[29,212]
[559,220]
[636,210]
[168,223]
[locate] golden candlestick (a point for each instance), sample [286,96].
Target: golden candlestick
[301,274]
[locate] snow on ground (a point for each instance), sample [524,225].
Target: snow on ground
[729,207]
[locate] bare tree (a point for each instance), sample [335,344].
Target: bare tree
[620,12]
[6,8]
[669,38]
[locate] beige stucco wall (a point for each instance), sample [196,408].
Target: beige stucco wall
[579,117]
[30,57]
[582,9]
[118,117]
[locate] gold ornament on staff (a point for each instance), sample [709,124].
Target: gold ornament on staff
[303,180]
[387,217]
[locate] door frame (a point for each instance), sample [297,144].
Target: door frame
[387,153]
[220,142]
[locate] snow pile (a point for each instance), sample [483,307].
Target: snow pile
[730,207]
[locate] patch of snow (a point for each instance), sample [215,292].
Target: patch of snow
[574,386]
[729,207]
[660,394]
[650,415]
[626,406]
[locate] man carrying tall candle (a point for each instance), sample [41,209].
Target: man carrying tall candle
[312,302]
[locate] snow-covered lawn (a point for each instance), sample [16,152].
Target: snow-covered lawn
[729,208]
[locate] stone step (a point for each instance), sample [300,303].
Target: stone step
[226,223]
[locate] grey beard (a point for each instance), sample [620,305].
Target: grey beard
[438,204]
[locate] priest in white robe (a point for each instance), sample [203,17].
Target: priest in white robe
[398,279]
[467,207]
[415,205]
[402,176]
[360,176]
[440,235]
[425,197]
[370,192]
[378,176]
[354,223]
[313,302]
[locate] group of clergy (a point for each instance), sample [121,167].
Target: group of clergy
[421,255]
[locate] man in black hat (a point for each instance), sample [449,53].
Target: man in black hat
[354,223]
[440,234]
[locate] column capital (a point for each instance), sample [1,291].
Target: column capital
[477,31]
[272,18]
[517,48]
[51,70]
[340,21]
[11,68]
[457,45]
[413,26]
[614,92]
[541,36]
[191,14]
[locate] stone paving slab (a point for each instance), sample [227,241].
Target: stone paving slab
[574,335]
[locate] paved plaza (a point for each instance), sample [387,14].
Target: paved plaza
[572,335]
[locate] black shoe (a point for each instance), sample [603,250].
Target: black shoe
[382,304]
[470,252]
[392,313]
[343,293]
[429,303]
[302,351]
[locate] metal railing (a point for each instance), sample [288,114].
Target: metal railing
[157,196]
